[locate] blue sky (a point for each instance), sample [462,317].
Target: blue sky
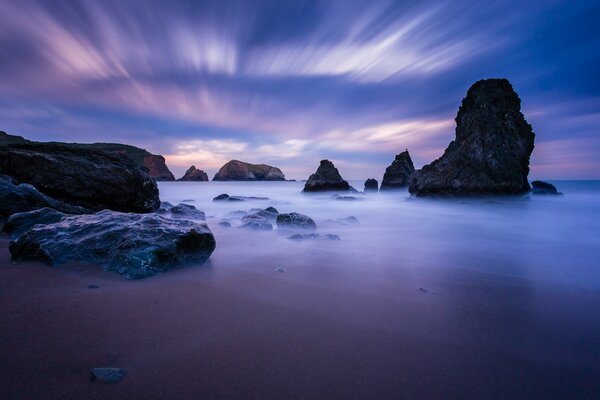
[290,83]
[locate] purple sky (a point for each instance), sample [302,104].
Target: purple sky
[290,83]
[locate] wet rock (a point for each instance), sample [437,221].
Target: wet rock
[371,185]
[327,178]
[295,221]
[107,375]
[256,222]
[134,245]
[165,208]
[236,214]
[19,223]
[236,170]
[194,175]
[490,154]
[544,188]
[15,198]
[225,224]
[222,197]
[270,213]
[314,236]
[397,174]
[187,211]
[81,175]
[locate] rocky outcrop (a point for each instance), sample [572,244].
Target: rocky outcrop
[397,174]
[371,185]
[81,175]
[24,197]
[19,223]
[327,178]
[241,171]
[295,221]
[194,175]
[544,188]
[490,154]
[134,245]
[155,164]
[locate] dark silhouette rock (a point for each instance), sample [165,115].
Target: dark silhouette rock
[93,287]
[194,174]
[397,174]
[107,375]
[21,222]
[226,197]
[134,245]
[270,213]
[155,164]
[371,185]
[81,176]
[544,188]
[490,154]
[327,178]
[256,222]
[222,197]
[236,170]
[24,197]
[314,236]
[295,221]
[225,224]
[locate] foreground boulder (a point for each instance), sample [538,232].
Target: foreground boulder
[194,175]
[544,188]
[371,185]
[397,174]
[242,171]
[134,245]
[155,164]
[81,176]
[295,221]
[19,223]
[490,154]
[24,197]
[327,178]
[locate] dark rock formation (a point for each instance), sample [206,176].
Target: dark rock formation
[186,211]
[134,245]
[345,198]
[490,154]
[397,174]
[107,375]
[241,171]
[540,187]
[19,223]
[155,164]
[270,213]
[81,175]
[327,178]
[295,221]
[225,224]
[226,197]
[24,197]
[256,222]
[193,174]
[314,236]
[371,185]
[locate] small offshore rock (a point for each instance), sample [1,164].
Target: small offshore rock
[107,375]
[225,224]
[222,197]
[326,178]
[194,175]
[256,222]
[371,185]
[314,236]
[279,269]
[93,287]
[295,221]
[544,188]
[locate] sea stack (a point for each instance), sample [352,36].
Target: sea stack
[490,154]
[371,185]
[397,174]
[236,170]
[194,175]
[327,178]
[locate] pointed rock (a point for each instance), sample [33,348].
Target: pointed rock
[194,174]
[327,178]
[490,154]
[397,174]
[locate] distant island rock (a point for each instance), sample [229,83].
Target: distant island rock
[327,178]
[156,165]
[194,174]
[397,174]
[235,170]
[82,176]
[545,188]
[490,154]
[371,185]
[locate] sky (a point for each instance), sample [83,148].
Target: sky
[288,83]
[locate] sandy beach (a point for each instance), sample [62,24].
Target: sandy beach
[257,334]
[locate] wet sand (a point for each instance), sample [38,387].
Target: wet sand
[257,333]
